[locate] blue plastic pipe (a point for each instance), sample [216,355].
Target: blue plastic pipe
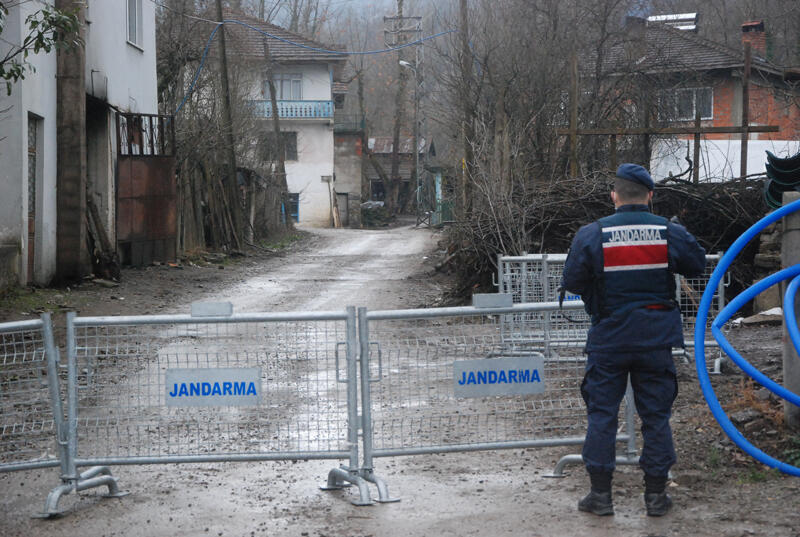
[732,307]
[699,340]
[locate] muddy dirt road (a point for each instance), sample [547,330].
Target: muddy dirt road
[483,494]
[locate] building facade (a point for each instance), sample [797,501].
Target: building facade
[66,108]
[305,79]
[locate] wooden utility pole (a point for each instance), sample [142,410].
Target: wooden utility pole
[232,193]
[745,109]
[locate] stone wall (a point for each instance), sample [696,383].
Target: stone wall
[768,261]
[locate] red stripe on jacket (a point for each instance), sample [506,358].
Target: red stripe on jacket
[650,254]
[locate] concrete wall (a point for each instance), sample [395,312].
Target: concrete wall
[314,160]
[35,95]
[347,158]
[118,71]
[123,74]
[719,159]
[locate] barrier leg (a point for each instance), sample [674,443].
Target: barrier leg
[558,470]
[383,489]
[339,478]
[97,476]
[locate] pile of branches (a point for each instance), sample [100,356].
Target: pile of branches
[544,219]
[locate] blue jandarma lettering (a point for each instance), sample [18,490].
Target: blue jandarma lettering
[512,376]
[209,389]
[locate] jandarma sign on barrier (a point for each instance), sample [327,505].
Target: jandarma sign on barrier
[213,387]
[499,376]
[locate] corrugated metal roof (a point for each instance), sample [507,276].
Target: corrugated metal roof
[249,43]
[384,145]
[665,49]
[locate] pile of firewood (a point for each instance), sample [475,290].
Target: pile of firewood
[547,218]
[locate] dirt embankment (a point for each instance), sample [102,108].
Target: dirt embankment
[718,491]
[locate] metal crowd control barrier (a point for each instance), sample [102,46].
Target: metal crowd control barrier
[418,395]
[537,277]
[33,432]
[212,387]
[31,417]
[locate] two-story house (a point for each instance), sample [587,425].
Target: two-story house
[305,75]
[59,135]
[694,75]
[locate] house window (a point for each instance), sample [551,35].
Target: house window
[682,104]
[290,145]
[288,86]
[135,22]
[269,147]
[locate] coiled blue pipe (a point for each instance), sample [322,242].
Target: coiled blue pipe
[699,336]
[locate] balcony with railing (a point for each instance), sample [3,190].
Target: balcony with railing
[295,109]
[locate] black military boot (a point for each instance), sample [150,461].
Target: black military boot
[598,501]
[657,503]
[656,499]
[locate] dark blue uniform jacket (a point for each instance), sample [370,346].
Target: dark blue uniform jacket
[623,267]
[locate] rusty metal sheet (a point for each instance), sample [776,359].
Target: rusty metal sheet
[146,209]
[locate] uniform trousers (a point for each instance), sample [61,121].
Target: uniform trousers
[655,386]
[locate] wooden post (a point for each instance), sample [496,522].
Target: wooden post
[745,110]
[573,116]
[696,162]
[790,255]
[233,187]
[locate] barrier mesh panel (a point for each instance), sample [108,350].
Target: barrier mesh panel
[537,277]
[413,397]
[27,428]
[690,292]
[123,411]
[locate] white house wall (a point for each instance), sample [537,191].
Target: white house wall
[35,94]
[719,159]
[304,176]
[122,74]
[314,142]
[117,71]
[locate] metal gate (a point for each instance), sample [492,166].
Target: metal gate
[146,190]
[413,401]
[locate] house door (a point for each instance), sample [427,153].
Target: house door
[341,202]
[33,128]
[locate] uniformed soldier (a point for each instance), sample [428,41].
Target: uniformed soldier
[622,266]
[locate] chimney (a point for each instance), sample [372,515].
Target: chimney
[635,28]
[753,33]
